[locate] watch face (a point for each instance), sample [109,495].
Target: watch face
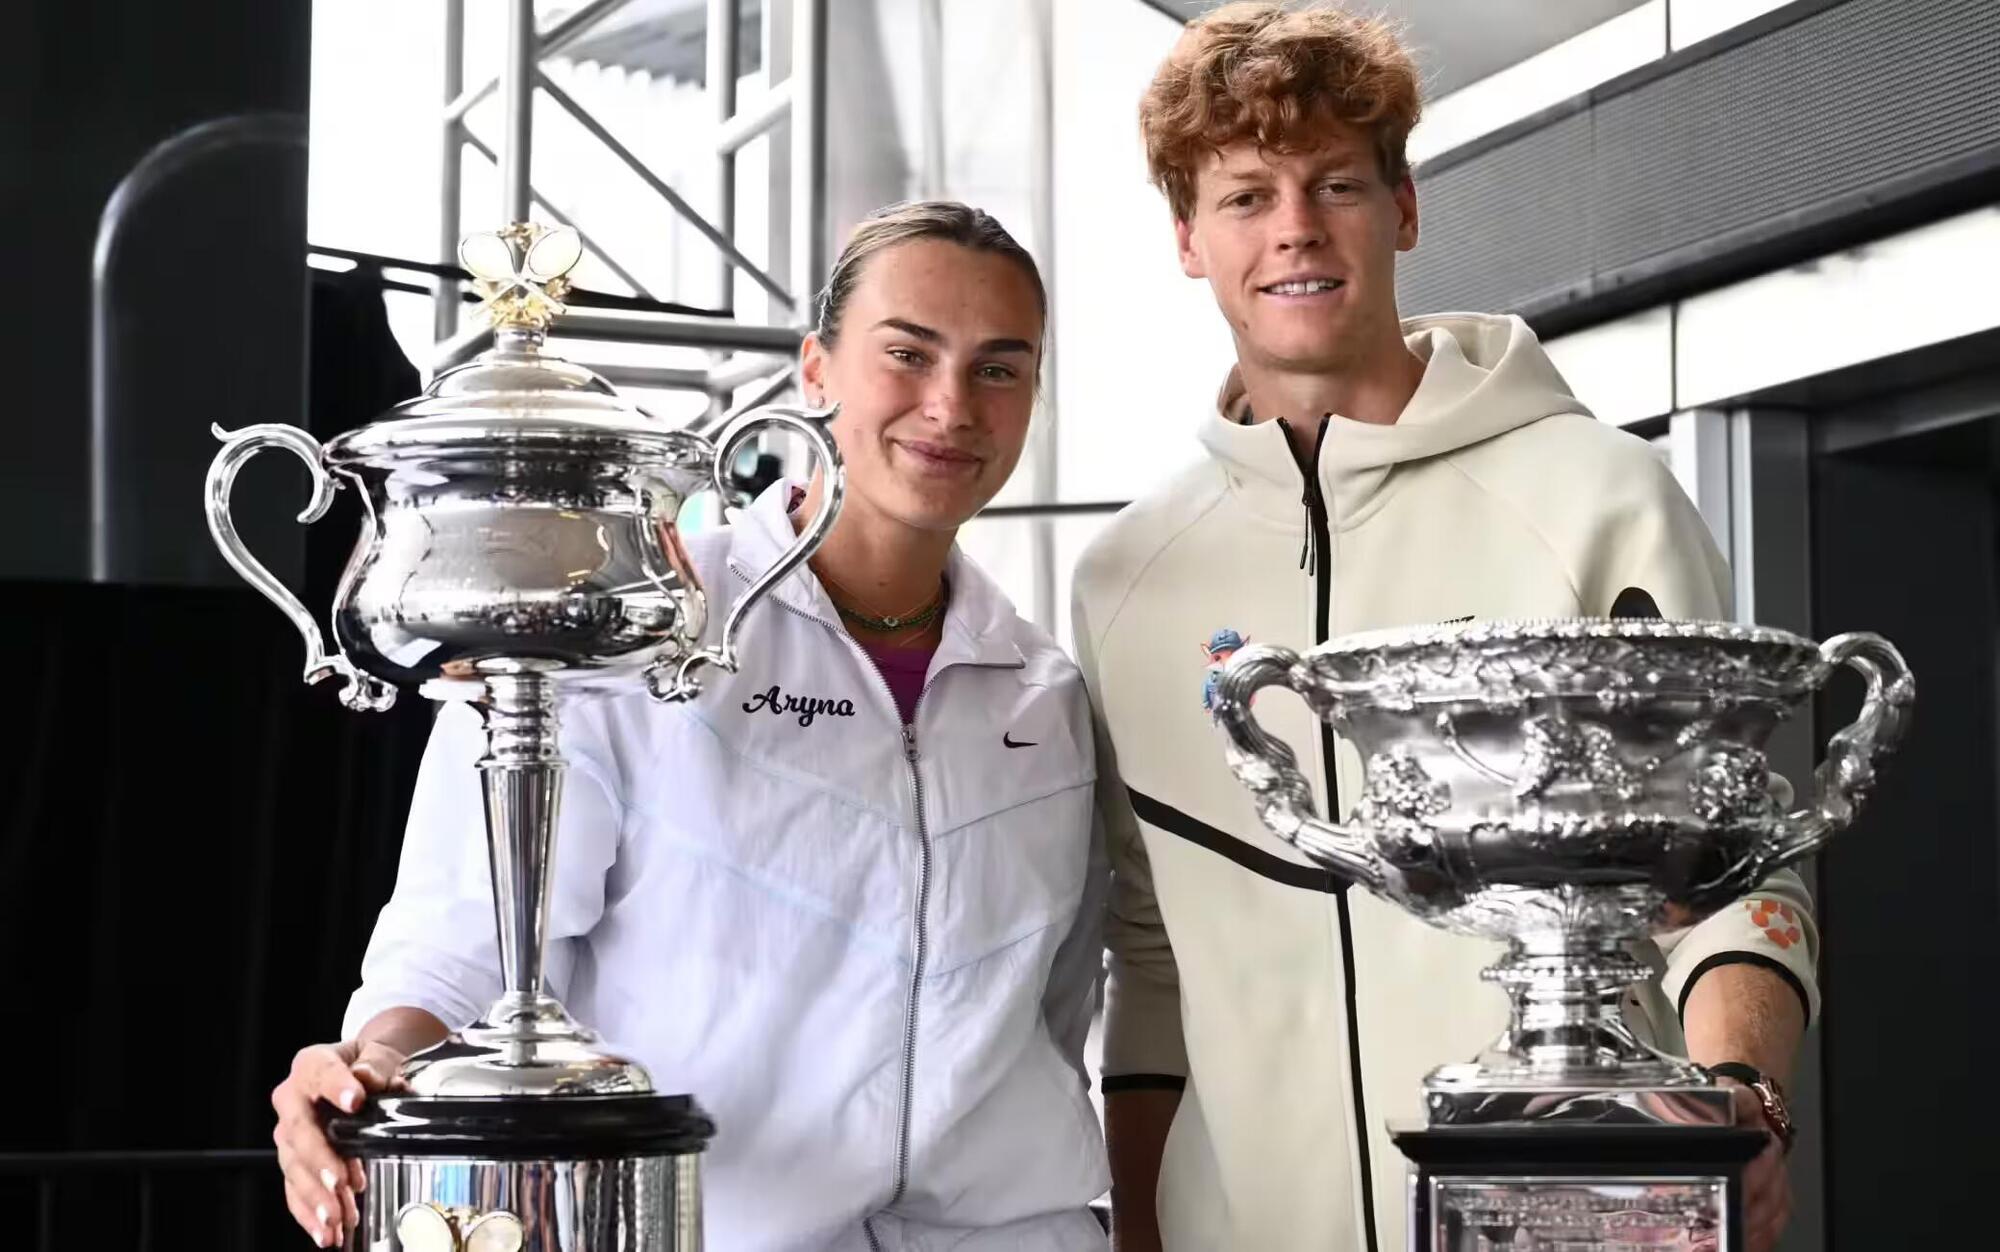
[1775,1112]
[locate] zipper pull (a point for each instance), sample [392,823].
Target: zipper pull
[910,743]
[1305,549]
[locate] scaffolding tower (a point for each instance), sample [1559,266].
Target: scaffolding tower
[740,353]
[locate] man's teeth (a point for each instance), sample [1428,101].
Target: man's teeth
[1305,288]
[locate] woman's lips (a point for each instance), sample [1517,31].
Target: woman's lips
[937,458]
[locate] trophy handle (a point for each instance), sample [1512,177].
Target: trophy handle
[361,691]
[1847,776]
[674,681]
[1268,767]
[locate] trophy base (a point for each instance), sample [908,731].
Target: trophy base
[527,1173]
[1471,1095]
[1577,1186]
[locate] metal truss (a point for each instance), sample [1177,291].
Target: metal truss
[793,32]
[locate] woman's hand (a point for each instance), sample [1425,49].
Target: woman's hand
[320,1187]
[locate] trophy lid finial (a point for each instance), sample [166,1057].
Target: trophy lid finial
[522,271]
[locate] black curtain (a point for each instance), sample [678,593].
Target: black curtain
[195,849]
[1907,543]
[86,90]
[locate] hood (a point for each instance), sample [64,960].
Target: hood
[1484,375]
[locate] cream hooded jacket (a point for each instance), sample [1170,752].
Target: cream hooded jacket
[1300,1016]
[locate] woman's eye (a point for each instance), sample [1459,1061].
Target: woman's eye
[907,356]
[998,373]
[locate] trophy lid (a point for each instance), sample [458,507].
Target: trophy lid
[516,398]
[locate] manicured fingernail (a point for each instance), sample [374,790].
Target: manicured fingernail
[321,1212]
[350,1099]
[332,1184]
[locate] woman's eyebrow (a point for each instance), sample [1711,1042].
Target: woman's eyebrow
[917,331]
[911,329]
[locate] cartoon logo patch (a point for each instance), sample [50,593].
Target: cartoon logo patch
[1221,645]
[1776,919]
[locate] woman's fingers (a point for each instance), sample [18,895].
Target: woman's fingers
[377,1067]
[313,1216]
[321,1189]
[350,1207]
[325,1073]
[315,1178]
[315,1175]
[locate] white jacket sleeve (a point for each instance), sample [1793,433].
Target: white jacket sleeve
[1076,978]
[435,947]
[1142,1006]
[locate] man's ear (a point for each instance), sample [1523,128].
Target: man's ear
[1406,212]
[1191,263]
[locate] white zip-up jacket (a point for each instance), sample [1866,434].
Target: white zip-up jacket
[1301,1016]
[872,952]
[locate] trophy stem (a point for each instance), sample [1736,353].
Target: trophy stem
[526,1043]
[1566,1026]
[522,777]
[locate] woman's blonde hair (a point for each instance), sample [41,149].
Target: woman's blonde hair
[907,222]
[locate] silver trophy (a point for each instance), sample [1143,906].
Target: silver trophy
[520,540]
[1568,787]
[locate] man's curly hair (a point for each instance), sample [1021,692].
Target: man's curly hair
[1275,74]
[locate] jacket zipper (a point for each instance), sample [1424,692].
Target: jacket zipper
[921,937]
[1319,544]
[922,946]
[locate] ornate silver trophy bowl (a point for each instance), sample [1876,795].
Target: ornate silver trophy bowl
[520,540]
[1568,787]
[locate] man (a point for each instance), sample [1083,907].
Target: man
[1361,471]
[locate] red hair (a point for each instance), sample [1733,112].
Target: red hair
[1277,76]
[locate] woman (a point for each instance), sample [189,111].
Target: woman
[849,897]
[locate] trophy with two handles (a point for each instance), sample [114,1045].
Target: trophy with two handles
[1568,787]
[520,542]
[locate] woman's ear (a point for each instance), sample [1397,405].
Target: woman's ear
[812,371]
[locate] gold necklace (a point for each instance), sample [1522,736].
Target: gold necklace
[903,623]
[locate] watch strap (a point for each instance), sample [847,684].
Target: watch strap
[1770,1096]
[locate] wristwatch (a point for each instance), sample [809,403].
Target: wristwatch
[1769,1094]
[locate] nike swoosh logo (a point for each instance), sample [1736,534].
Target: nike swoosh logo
[1007,738]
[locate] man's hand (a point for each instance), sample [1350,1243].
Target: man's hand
[1747,1014]
[1767,1185]
[319,1186]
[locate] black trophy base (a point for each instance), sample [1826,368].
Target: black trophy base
[584,1127]
[1577,1188]
[527,1173]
